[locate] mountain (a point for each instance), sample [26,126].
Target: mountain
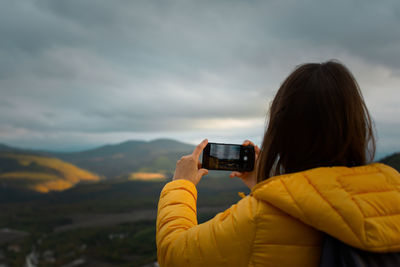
[392,160]
[39,173]
[127,159]
[130,158]
[5,148]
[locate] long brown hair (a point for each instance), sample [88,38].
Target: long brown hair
[317,118]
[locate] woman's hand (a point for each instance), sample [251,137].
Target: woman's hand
[189,167]
[248,178]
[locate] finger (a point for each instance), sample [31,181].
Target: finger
[183,158]
[202,172]
[199,148]
[235,174]
[199,165]
[248,143]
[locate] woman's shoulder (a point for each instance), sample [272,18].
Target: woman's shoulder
[341,201]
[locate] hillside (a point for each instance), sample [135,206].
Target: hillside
[5,148]
[392,160]
[44,171]
[39,173]
[130,158]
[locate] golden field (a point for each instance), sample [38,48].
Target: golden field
[147,176]
[43,174]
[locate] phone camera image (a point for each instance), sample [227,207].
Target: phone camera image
[228,157]
[224,152]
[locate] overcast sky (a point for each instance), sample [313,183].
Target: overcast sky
[80,73]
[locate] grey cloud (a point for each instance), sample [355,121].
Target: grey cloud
[151,66]
[368,29]
[27,29]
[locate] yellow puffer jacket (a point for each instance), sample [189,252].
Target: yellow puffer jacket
[281,222]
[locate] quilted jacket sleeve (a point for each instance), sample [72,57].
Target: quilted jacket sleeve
[225,240]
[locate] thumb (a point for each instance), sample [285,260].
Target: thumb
[202,172]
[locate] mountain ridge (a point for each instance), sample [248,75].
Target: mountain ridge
[112,161]
[131,158]
[4,147]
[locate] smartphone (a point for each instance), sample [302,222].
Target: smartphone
[228,157]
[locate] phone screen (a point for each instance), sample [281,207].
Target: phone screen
[228,157]
[231,152]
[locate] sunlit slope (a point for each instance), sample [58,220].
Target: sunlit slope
[146,176]
[156,157]
[39,173]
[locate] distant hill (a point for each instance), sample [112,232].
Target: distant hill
[392,160]
[5,148]
[130,158]
[127,159]
[44,171]
[39,173]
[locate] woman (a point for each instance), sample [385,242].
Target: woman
[311,178]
